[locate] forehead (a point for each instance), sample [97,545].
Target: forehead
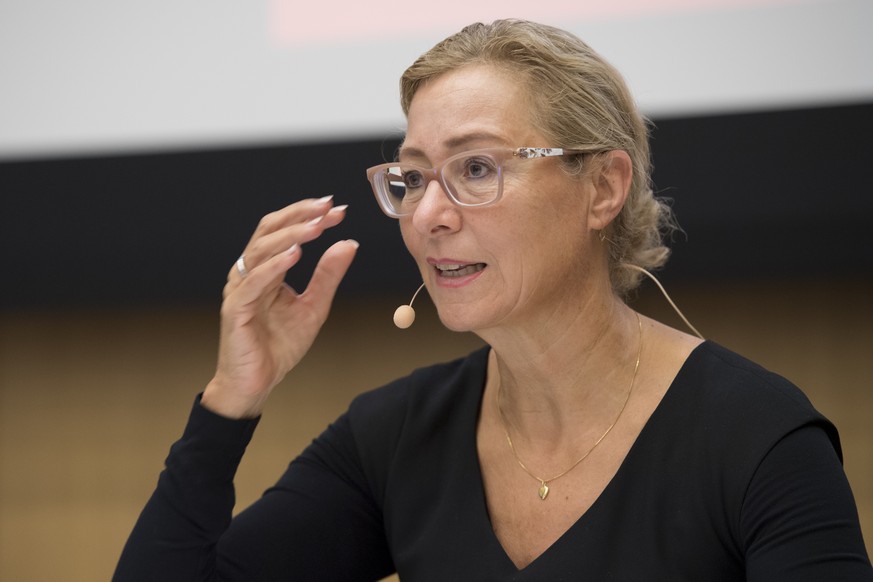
[475,106]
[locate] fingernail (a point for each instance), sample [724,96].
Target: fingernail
[354,242]
[315,220]
[293,249]
[325,199]
[340,208]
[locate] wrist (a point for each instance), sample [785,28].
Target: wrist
[230,403]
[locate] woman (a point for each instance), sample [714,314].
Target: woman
[586,441]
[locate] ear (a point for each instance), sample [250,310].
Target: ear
[612,182]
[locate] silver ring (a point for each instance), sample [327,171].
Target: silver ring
[241,266]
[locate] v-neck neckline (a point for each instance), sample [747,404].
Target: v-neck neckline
[472,456]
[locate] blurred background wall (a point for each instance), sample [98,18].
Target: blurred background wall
[140,145]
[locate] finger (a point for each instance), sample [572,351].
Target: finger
[330,218]
[263,283]
[329,271]
[299,233]
[263,248]
[298,212]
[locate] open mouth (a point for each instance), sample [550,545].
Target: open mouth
[459,270]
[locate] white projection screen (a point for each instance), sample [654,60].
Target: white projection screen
[99,76]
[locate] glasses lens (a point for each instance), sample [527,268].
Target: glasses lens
[474,179]
[402,187]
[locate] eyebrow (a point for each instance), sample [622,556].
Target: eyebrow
[452,144]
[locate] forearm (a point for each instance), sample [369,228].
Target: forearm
[176,534]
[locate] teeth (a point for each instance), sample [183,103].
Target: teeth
[459,270]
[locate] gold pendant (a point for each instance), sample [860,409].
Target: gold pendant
[544,490]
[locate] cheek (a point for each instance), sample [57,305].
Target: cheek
[551,225]
[407,232]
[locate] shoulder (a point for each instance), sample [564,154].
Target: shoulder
[742,402]
[725,376]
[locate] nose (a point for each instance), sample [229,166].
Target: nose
[435,212]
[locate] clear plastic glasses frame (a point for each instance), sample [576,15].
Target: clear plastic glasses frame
[469,179]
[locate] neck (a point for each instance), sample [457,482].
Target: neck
[576,375]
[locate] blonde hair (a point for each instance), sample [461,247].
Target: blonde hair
[580,102]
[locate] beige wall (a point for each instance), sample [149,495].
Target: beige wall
[91,401]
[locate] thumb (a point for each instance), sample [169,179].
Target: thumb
[331,268]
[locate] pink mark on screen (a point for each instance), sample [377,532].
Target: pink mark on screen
[296,22]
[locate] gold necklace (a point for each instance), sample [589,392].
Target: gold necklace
[544,487]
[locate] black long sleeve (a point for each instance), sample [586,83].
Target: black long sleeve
[798,519]
[315,524]
[177,531]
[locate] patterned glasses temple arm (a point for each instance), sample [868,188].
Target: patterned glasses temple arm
[527,153]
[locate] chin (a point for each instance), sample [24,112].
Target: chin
[459,320]
[467,317]
[456,325]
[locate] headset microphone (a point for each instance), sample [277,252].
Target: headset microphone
[405,314]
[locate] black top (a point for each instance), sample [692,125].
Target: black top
[734,477]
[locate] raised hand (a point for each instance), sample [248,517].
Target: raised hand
[266,326]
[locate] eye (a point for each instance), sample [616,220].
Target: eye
[413,179]
[478,167]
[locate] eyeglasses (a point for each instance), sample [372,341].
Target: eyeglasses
[469,179]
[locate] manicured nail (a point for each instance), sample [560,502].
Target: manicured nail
[293,249]
[354,242]
[340,208]
[325,199]
[315,220]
